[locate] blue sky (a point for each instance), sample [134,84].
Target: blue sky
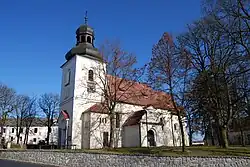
[36,34]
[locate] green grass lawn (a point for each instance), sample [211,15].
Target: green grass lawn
[176,151]
[169,151]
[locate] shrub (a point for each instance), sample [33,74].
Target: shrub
[15,145]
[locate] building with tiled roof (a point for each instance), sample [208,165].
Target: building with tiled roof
[35,132]
[143,116]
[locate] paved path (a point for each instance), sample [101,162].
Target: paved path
[7,163]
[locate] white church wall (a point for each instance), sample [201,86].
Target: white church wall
[79,109]
[99,124]
[68,82]
[164,137]
[76,100]
[149,122]
[83,65]
[67,94]
[177,132]
[82,98]
[125,111]
[97,128]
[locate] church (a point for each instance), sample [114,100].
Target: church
[83,122]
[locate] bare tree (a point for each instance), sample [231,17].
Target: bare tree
[168,71]
[6,99]
[30,116]
[115,79]
[233,18]
[22,111]
[218,62]
[49,104]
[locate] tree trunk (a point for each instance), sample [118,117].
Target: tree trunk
[242,138]
[179,118]
[212,137]
[190,138]
[182,131]
[26,135]
[1,135]
[48,133]
[219,133]
[111,137]
[212,133]
[25,139]
[224,136]
[190,135]
[17,140]
[172,129]
[219,137]
[17,135]
[48,130]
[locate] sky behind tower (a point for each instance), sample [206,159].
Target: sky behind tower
[36,35]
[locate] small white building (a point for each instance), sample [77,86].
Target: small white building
[37,132]
[143,121]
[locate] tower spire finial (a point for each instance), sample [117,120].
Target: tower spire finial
[86,18]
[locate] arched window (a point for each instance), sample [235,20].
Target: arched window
[89,39]
[175,126]
[83,38]
[162,123]
[67,77]
[151,138]
[91,75]
[77,39]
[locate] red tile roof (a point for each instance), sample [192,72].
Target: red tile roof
[65,114]
[139,94]
[134,93]
[135,118]
[99,108]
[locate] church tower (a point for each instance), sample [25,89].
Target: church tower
[79,87]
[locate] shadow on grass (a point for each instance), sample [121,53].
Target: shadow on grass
[176,151]
[201,151]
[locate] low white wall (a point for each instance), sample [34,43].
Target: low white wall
[80,159]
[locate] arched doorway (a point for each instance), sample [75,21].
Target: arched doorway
[151,138]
